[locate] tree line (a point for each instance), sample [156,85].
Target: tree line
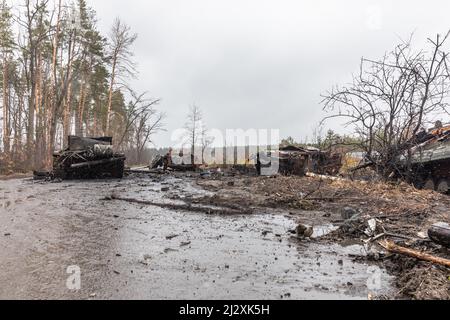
[61,76]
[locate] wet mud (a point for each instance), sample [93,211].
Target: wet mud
[138,250]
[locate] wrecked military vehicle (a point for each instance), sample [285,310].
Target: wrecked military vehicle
[88,158]
[430,161]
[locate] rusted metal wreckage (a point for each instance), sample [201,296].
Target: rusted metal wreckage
[86,158]
[299,161]
[291,160]
[430,160]
[166,162]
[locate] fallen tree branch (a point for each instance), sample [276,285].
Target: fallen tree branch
[183,207]
[375,238]
[392,247]
[399,236]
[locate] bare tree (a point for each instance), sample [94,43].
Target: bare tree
[140,122]
[149,123]
[317,136]
[194,128]
[121,63]
[392,99]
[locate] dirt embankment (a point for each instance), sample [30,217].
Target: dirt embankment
[402,213]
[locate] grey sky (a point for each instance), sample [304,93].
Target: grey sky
[259,63]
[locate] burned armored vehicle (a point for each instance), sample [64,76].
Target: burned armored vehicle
[88,158]
[298,161]
[430,161]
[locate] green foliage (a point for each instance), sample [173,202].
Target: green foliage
[6,35]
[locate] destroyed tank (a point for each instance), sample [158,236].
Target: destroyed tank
[88,158]
[431,161]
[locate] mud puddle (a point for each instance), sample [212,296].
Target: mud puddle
[132,251]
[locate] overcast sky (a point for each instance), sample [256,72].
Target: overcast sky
[259,63]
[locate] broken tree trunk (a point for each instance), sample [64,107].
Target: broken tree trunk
[392,247]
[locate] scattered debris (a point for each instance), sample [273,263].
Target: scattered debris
[372,227]
[348,213]
[359,212]
[166,163]
[146,260]
[304,231]
[396,211]
[157,162]
[422,235]
[42,175]
[167,250]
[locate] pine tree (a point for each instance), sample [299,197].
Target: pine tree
[6,48]
[61,76]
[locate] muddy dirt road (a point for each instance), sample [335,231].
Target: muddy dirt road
[134,251]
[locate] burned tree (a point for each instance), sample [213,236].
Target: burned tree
[391,101]
[194,129]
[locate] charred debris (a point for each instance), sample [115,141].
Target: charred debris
[291,161]
[423,162]
[426,164]
[298,161]
[429,161]
[86,158]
